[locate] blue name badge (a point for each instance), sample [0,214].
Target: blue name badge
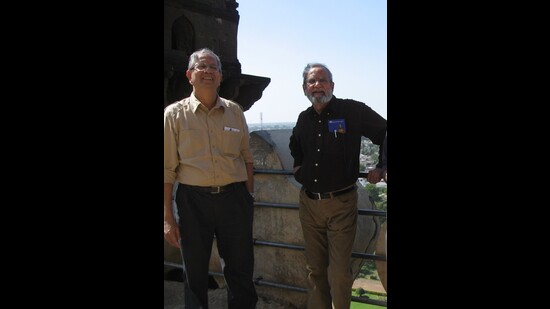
[337,126]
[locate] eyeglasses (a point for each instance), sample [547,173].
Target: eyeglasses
[312,81]
[204,67]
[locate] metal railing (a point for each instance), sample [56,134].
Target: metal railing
[261,282]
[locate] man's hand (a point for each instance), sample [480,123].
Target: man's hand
[375,175]
[172,232]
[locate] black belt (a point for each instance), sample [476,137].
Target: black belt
[212,189]
[322,196]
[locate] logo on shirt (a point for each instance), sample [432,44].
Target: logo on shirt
[337,126]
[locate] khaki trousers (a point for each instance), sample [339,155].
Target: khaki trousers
[329,227]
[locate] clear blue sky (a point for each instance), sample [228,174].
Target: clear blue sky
[277,38]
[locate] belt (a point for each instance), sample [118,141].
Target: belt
[322,196]
[212,189]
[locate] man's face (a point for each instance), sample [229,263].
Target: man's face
[205,73]
[318,87]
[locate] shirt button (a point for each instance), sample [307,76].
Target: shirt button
[318,150]
[316,164]
[319,121]
[319,134]
[315,180]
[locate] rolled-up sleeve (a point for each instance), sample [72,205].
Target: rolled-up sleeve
[171,159]
[245,143]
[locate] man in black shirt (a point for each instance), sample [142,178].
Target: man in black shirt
[325,145]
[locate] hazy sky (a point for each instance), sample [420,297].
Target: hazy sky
[277,38]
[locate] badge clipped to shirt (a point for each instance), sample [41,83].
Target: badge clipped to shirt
[337,126]
[231,129]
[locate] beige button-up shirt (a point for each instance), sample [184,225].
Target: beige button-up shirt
[205,147]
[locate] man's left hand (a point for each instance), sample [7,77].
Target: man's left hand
[375,175]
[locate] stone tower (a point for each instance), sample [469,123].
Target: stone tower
[193,24]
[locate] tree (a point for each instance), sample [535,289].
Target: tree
[378,195]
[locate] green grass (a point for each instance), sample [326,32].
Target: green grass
[355,305]
[370,295]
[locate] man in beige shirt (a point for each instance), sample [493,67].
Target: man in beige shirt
[206,150]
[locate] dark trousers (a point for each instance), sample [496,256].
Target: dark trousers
[228,216]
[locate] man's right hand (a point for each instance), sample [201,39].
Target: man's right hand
[172,232]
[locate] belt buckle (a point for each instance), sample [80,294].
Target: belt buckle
[217,191]
[318,196]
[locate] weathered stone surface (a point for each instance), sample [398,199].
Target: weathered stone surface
[381,266]
[190,25]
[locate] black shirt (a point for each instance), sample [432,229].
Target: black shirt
[330,159]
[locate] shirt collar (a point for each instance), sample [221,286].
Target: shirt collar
[194,103]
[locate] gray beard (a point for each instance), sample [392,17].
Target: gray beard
[320,100]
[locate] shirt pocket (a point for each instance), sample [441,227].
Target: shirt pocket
[192,143]
[336,145]
[231,143]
